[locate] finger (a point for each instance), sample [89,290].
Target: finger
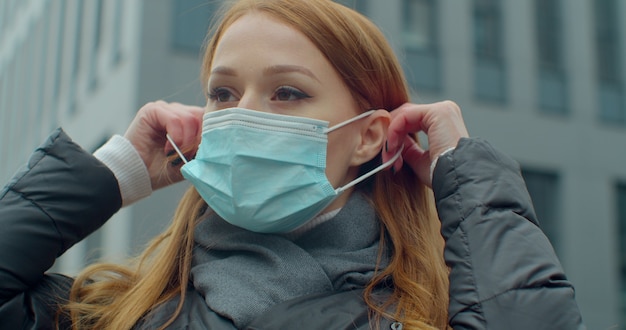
[183,124]
[413,153]
[414,156]
[401,125]
[406,119]
[418,159]
[397,165]
[442,122]
[192,126]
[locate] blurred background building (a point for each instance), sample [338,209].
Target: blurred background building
[542,80]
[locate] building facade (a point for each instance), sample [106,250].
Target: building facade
[542,80]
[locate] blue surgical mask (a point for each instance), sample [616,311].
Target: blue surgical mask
[265,172]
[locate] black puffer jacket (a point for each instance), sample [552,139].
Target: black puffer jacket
[504,274]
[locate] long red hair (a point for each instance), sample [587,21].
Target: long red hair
[108,296]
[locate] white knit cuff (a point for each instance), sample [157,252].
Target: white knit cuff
[434,163]
[119,155]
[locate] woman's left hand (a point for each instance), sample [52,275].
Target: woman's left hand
[442,123]
[147,134]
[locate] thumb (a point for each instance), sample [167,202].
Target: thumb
[418,159]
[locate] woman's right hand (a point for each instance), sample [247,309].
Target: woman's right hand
[147,133]
[442,122]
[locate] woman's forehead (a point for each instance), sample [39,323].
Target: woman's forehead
[259,39]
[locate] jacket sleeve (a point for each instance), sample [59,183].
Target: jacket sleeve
[504,273]
[61,196]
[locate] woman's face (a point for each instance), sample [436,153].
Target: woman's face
[263,64]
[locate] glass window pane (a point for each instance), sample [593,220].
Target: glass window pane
[117,31]
[78,36]
[191,23]
[487,29]
[423,70]
[419,38]
[489,81]
[543,187]
[552,91]
[418,24]
[95,46]
[489,74]
[551,86]
[59,54]
[611,99]
[607,36]
[609,62]
[620,192]
[549,33]
[348,3]
[361,6]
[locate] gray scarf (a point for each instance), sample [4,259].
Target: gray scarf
[242,274]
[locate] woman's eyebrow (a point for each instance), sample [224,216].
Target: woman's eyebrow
[271,70]
[224,71]
[276,69]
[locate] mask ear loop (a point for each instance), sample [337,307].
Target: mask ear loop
[349,121]
[370,173]
[169,138]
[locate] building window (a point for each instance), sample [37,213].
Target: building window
[551,86]
[5,16]
[10,119]
[44,28]
[362,6]
[489,76]
[5,139]
[3,19]
[95,45]
[543,187]
[191,23]
[77,58]
[621,241]
[78,36]
[117,31]
[349,3]
[58,68]
[419,40]
[358,5]
[609,61]
[93,247]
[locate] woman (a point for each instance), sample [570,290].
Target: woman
[291,222]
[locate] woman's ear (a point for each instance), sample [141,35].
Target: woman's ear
[373,137]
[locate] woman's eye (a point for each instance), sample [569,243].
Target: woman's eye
[221,94]
[289,94]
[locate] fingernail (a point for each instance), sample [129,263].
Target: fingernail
[176,162]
